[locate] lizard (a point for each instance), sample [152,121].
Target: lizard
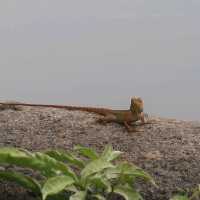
[126,117]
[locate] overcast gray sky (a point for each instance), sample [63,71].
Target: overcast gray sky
[102,52]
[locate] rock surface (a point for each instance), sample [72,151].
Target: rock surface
[168,149]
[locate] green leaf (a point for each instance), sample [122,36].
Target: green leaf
[87,152]
[81,195]
[9,153]
[99,197]
[126,171]
[20,158]
[100,182]
[24,181]
[109,154]
[66,157]
[179,197]
[130,169]
[95,166]
[127,192]
[71,188]
[51,167]
[112,173]
[60,196]
[47,165]
[55,185]
[196,193]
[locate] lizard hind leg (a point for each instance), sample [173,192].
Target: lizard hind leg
[107,119]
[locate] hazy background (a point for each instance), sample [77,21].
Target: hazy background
[102,52]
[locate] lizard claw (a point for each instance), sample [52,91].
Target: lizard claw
[101,121]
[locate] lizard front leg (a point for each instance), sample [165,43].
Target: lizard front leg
[128,127]
[131,129]
[142,117]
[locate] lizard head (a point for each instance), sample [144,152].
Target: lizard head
[137,105]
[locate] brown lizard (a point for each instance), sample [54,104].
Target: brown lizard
[126,117]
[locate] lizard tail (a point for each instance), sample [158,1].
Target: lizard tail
[100,111]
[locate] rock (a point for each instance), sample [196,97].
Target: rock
[168,149]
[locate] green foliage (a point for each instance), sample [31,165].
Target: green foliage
[38,161]
[195,195]
[67,157]
[80,195]
[55,185]
[127,192]
[86,152]
[98,197]
[95,166]
[110,155]
[25,181]
[81,175]
[179,197]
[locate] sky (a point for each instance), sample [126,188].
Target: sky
[100,53]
